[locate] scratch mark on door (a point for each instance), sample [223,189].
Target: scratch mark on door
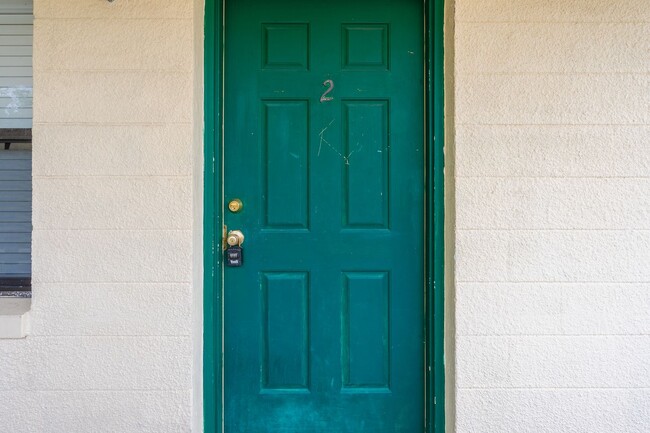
[322,138]
[345,158]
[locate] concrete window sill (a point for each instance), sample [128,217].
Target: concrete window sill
[14,313]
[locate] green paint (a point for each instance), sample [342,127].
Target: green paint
[435,218]
[212,395]
[295,216]
[323,325]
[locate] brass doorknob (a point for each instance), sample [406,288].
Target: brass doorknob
[235,238]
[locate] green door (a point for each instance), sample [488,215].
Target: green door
[324,146]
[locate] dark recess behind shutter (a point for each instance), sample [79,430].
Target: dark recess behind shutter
[15,218]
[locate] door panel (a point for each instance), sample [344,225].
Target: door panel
[285,148]
[323,323]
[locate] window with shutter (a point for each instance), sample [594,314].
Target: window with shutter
[16,30]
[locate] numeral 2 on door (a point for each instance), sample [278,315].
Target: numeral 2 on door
[326,98]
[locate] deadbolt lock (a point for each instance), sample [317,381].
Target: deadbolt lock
[235,205]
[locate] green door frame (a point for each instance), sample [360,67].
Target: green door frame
[213,217]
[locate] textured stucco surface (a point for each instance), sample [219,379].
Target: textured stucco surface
[550,177]
[111,347]
[552,201]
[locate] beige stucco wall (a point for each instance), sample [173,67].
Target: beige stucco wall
[548,214]
[111,342]
[552,196]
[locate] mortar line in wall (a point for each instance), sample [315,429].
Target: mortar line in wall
[169,72]
[94,70]
[130,176]
[105,19]
[61,283]
[550,230]
[554,125]
[110,124]
[129,336]
[109,229]
[117,229]
[553,177]
[568,388]
[507,229]
[103,390]
[564,282]
[545,335]
[548,73]
[551,22]
[549,282]
[72,286]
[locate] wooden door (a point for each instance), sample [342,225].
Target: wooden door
[324,146]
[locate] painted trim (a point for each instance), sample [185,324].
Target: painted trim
[435,221]
[212,355]
[212,217]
